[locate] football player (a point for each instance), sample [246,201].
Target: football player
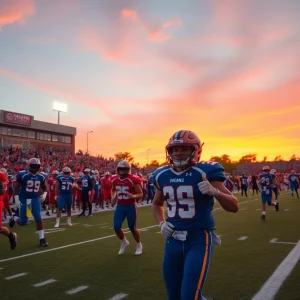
[63,190]
[293,183]
[189,189]
[51,184]
[87,187]
[12,237]
[106,189]
[267,182]
[244,185]
[126,189]
[30,184]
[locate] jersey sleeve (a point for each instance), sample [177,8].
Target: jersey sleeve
[137,180]
[214,171]
[19,177]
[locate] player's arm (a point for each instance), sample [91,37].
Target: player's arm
[56,188]
[227,200]
[138,192]
[113,195]
[158,206]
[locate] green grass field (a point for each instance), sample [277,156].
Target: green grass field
[239,267]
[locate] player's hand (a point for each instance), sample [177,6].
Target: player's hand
[130,196]
[166,229]
[55,198]
[89,192]
[113,200]
[206,188]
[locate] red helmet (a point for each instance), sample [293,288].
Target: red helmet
[184,138]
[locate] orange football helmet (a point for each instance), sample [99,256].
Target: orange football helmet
[185,138]
[266,169]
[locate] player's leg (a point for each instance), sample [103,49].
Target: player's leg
[242,191]
[272,203]
[173,265]
[132,214]
[296,190]
[36,212]
[196,265]
[12,237]
[68,201]
[22,219]
[60,206]
[119,217]
[263,210]
[85,199]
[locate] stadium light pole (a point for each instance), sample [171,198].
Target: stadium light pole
[87,141]
[148,154]
[59,107]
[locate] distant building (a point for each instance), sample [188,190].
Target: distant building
[21,130]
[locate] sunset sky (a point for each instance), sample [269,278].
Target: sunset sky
[135,72]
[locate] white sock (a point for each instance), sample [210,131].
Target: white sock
[69,219]
[41,234]
[139,244]
[263,213]
[57,220]
[124,240]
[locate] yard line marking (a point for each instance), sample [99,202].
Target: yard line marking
[77,290]
[118,297]
[287,243]
[242,238]
[287,209]
[44,283]
[1,268]
[158,232]
[273,241]
[144,229]
[273,284]
[67,246]
[103,226]
[15,276]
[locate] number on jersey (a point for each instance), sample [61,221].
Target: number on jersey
[181,201]
[122,192]
[33,186]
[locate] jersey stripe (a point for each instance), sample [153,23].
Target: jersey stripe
[199,170]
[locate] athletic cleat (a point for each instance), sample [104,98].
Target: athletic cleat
[263,217]
[43,243]
[69,223]
[124,245]
[139,249]
[56,225]
[277,206]
[47,213]
[13,240]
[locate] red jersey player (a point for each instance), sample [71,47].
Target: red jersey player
[4,230]
[126,188]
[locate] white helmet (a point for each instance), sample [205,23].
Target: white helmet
[3,170]
[123,168]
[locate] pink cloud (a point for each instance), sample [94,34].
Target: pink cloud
[15,11]
[129,14]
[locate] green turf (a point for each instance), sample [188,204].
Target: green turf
[238,270]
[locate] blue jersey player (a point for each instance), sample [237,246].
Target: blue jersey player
[189,188]
[267,182]
[293,183]
[63,191]
[29,186]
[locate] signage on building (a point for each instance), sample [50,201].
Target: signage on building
[16,118]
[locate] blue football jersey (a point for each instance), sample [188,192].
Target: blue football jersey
[86,182]
[244,180]
[292,178]
[65,184]
[188,208]
[266,182]
[30,184]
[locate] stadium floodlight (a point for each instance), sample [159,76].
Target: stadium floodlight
[59,107]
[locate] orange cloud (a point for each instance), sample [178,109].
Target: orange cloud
[15,11]
[129,14]
[159,35]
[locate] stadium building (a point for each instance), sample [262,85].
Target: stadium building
[21,130]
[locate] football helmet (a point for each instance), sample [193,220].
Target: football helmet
[273,171]
[66,171]
[86,171]
[3,170]
[184,138]
[266,169]
[123,168]
[55,173]
[106,174]
[293,172]
[34,165]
